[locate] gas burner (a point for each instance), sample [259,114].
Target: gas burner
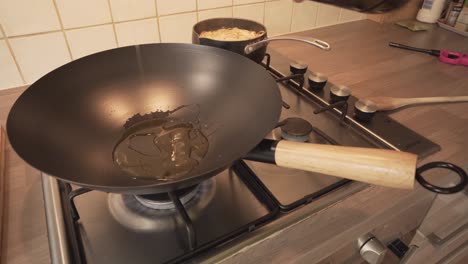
[339,93]
[298,68]
[296,129]
[162,201]
[131,212]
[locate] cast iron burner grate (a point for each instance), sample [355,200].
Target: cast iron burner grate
[163,201]
[240,169]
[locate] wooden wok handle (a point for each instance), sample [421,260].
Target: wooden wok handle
[375,166]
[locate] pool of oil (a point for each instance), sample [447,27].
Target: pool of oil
[162,149]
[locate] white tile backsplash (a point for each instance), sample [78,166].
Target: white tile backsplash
[9,75]
[327,15]
[33,27]
[90,40]
[253,12]
[177,28]
[80,13]
[132,9]
[166,7]
[278,17]
[348,16]
[40,54]
[207,4]
[213,13]
[304,15]
[137,32]
[242,2]
[20,17]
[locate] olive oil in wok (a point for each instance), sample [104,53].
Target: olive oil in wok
[161,149]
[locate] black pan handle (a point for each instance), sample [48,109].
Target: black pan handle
[438,189]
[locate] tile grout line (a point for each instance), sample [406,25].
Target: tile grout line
[292,15]
[35,34]
[264,13]
[232,8]
[7,41]
[216,8]
[124,21]
[134,20]
[180,13]
[316,16]
[157,20]
[113,24]
[196,9]
[339,16]
[62,29]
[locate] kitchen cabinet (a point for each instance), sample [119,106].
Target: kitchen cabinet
[443,235]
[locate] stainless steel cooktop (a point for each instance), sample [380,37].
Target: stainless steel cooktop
[222,212]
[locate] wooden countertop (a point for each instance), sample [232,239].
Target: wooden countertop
[359,58]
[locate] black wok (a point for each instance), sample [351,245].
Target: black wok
[67,123]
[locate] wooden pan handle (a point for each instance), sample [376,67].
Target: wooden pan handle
[375,166]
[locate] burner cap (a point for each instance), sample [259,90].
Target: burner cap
[298,68]
[296,129]
[163,201]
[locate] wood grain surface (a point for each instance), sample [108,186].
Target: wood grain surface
[375,166]
[25,231]
[384,103]
[360,59]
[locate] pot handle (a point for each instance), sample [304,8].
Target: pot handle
[312,41]
[384,167]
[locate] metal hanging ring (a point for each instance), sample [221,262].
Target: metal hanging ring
[438,189]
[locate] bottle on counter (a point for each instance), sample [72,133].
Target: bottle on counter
[453,12]
[430,11]
[462,21]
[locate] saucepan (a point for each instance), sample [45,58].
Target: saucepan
[159,117]
[254,48]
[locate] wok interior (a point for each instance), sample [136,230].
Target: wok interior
[68,122]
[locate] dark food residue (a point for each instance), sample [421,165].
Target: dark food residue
[158,146]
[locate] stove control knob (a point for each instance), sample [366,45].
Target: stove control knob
[371,249]
[364,110]
[298,68]
[339,93]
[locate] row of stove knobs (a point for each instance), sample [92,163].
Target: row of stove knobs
[364,110]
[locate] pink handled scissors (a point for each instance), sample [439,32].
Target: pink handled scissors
[450,57]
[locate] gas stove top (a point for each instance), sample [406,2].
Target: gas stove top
[215,217]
